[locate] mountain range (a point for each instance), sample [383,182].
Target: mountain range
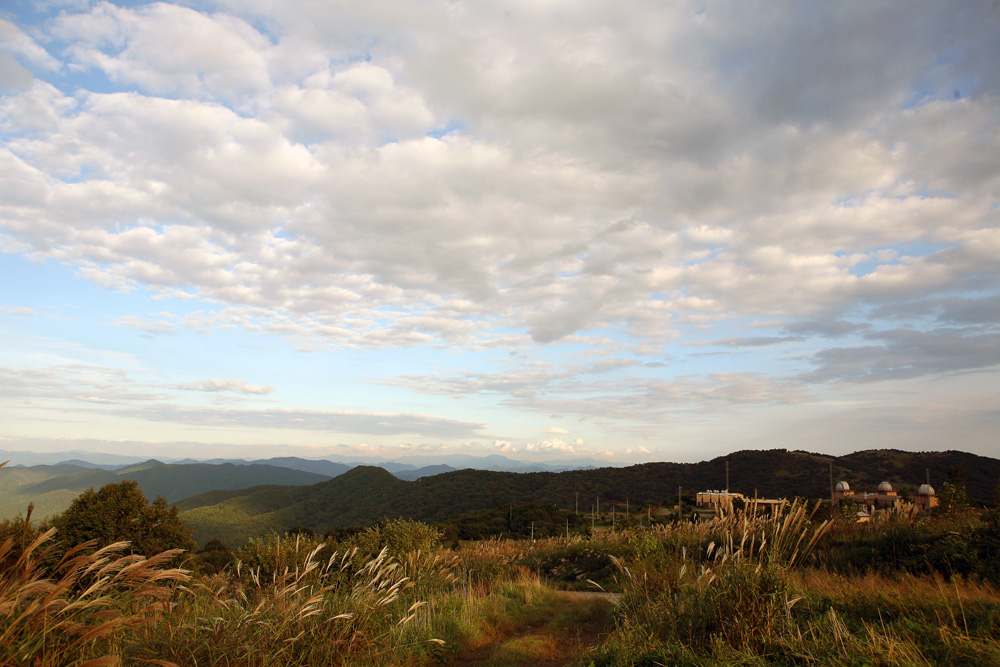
[235,500]
[367,494]
[53,487]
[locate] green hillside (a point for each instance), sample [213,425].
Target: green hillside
[53,488]
[366,494]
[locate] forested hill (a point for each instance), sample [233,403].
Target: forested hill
[51,488]
[366,494]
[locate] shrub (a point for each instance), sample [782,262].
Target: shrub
[119,513]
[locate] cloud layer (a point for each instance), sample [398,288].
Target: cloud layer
[637,184]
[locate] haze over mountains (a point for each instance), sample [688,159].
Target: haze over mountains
[237,500]
[51,488]
[366,494]
[51,481]
[323,466]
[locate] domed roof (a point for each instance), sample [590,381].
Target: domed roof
[926,490]
[843,486]
[885,486]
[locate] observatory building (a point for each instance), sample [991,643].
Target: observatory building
[886,497]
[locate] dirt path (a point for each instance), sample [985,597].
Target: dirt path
[558,635]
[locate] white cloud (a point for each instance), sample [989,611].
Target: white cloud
[18,310]
[235,386]
[556,445]
[16,42]
[556,430]
[333,421]
[222,55]
[534,237]
[504,446]
[522,177]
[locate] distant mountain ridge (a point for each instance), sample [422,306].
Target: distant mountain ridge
[366,494]
[327,466]
[239,499]
[53,488]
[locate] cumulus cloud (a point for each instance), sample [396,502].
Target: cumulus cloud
[504,446]
[525,177]
[555,445]
[283,174]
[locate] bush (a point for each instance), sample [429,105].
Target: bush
[398,536]
[119,513]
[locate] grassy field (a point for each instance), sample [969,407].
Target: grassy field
[742,589]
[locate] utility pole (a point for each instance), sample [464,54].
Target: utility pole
[831,489]
[567,529]
[577,502]
[532,533]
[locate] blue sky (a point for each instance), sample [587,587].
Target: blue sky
[552,230]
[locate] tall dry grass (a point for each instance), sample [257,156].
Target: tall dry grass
[81,610]
[753,595]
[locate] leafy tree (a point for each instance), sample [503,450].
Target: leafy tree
[954,496]
[20,532]
[906,493]
[119,512]
[213,557]
[847,509]
[304,531]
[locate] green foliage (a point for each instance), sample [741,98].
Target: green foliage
[213,558]
[119,513]
[948,544]
[514,521]
[18,533]
[304,531]
[398,537]
[273,554]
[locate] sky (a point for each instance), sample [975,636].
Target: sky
[630,231]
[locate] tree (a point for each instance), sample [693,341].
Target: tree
[213,558]
[303,531]
[954,497]
[118,512]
